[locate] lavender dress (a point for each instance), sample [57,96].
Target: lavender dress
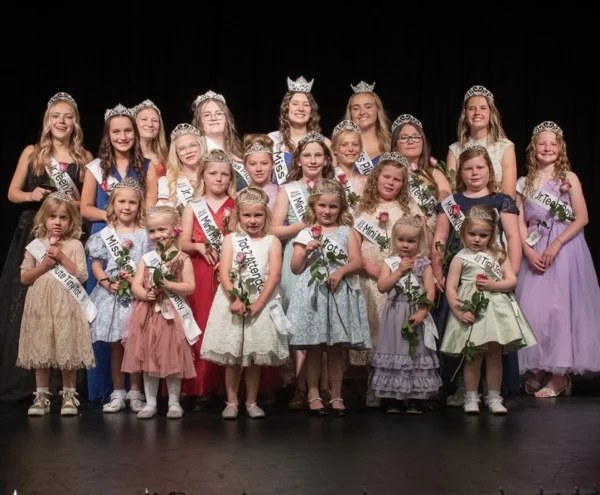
[563,304]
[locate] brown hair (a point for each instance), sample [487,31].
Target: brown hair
[49,206]
[111,215]
[344,217]
[295,172]
[469,154]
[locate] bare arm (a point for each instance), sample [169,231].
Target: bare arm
[151,187]
[137,285]
[509,172]
[510,224]
[15,189]
[225,266]
[442,183]
[280,211]
[188,281]
[452,283]
[31,270]
[451,161]
[580,211]
[88,200]
[388,279]
[442,231]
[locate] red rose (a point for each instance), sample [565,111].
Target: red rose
[104,186]
[342,178]
[175,231]
[565,187]
[63,166]
[316,231]
[227,213]
[127,244]
[384,216]
[310,185]
[433,161]
[455,210]
[481,277]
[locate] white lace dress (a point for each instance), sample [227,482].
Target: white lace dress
[495,150]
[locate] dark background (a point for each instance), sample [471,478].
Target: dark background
[534,74]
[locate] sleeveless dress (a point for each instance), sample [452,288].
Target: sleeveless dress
[495,151]
[210,377]
[226,341]
[15,383]
[563,304]
[154,344]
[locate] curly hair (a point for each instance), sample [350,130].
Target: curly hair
[496,131]
[370,197]
[561,166]
[473,215]
[284,118]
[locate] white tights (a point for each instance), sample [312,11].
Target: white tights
[151,389]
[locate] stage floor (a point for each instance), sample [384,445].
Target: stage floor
[549,443]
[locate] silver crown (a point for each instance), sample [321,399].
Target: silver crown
[311,137]
[62,97]
[209,95]
[257,148]
[472,145]
[409,220]
[406,118]
[363,87]
[345,125]
[129,183]
[216,155]
[480,214]
[479,91]
[181,129]
[300,84]
[394,156]
[145,104]
[252,195]
[118,110]
[328,187]
[161,209]
[547,125]
[61,195]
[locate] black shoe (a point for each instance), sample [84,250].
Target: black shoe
[414,407]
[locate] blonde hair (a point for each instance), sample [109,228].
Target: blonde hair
[410,221]
[370,197]
[496,132]
[236,224]
[337,139]
[111,215]
[167,211]
[498,252]
[49,206]
[469,154]
[561,166]
[175,167]
[344,217]
[382,124]
[231,189]
[158,145]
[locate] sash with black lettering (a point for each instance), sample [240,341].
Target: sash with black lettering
[185,191]
[455,219]
[422,195]
[63,180]
[296,198]
[241,170]
[370,230]
[364,164]
[96,170]
[207,222]
[70,283]
[482,260]
[191,329]
[244,245]
[113,244]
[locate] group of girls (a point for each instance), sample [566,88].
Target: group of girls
[292,257]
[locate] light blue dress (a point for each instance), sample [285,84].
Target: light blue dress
[313,313]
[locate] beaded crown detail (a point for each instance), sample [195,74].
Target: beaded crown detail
[62,97]
[329,187]
[61,195]
[406,118]
[257,148]
[129,183]
[182,129]
[547,125]
[216,155]
[409,220]
[394,156]
[473,146]
[209,95]
[479,91]
[480,215]
[300,84]
[145,104]
[161,209]
[311,137]
[345,125]
[252,195]
[363,87]
[118,110]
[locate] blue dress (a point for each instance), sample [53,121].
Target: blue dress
[100,378]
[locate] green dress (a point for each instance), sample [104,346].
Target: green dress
[502,321]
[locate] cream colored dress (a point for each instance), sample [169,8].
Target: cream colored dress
[495,150]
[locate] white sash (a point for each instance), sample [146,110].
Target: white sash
[240,169]
[422,196]
[62,180]
[96,170]
[457,220]
[482,260]
[364,163]
[348,189]
[430,332]
[191,329]
[544,199]
[281,169]
[185,191]
[206,221]
[368,229]
[279,318]
[68,281]
[113,244]
[297,200]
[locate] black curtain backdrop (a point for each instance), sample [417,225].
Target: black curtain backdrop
[423,70]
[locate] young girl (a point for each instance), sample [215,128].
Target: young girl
[405,363]
[327,310]
[346,143]
[162,325]
[485,318]
[153,139]
[55,330]
[242,332]
[205,222]
[558,285]
[115,252]
[258,161]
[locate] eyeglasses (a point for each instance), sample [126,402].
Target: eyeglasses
[191,147]
[404,138]
[217,115]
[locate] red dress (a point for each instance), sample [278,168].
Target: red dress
[210,377]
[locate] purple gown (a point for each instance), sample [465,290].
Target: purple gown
[563,304]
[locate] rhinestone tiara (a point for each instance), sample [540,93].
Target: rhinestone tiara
[329,187]
[145,104]
[345,125]
[311,137]
[479,91]
[129,183]
[118,110]
[548,125]
[394,156]
[252,195]
[209,95]
[257,148]
[182,129]
[363,87]
[473,146]
[61,195]
[216,155]
[406,118]
[300,84]
[62,97]
[411,220]
[161,209]
[480,214]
